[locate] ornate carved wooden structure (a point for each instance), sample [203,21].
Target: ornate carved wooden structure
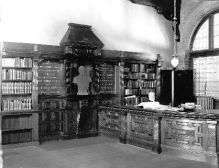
[191,139]
[81,46]
[132,126]
[191,135]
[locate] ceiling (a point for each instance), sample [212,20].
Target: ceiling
[166,8]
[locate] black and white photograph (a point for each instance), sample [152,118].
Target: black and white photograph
[109,84]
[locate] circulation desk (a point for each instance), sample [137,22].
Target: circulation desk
[191,135]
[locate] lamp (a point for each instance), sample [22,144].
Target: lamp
[174,61]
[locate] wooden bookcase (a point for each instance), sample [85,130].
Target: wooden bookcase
[139,76]
[133,76]
[39,99]
[18,94]
[139,79]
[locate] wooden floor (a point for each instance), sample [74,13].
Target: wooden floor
[96,152]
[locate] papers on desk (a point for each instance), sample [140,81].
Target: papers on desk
[149,104]
[158,106]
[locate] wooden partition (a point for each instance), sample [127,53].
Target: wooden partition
[190,135]
[130,126]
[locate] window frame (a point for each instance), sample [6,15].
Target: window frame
[211,50]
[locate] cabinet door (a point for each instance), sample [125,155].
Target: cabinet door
[166,85]
[183,87]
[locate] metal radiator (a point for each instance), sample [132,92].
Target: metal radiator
[205,101]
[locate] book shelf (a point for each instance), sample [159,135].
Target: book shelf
[139,79]
[17,128]
[19,122]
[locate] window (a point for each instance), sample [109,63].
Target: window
[206,63]
[207,36]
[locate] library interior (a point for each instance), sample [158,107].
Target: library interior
[141,75]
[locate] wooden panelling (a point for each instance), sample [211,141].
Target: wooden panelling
[191,139]
[144,132]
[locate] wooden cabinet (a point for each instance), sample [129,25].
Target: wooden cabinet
[183,87]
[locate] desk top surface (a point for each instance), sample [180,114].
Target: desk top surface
[210,114]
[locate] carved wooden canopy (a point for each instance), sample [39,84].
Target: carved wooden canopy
[80,36]
[166,8]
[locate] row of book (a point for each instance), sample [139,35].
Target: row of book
[21,104]
[134,100]
[139,83]
[17,122]
[131,92]
[16,137]
[139,91]
[139,75]
[16,88]
[131,101]
[105,70]
[146,91]
[106,74]
[109,78]
[106,83]
[105,65]
[16,74]
[17,62]
[106,91]
[141,68]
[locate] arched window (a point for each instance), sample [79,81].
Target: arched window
[205,54]
[207,36]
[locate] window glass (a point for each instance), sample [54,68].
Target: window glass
[206,76]
[201,41]
[216,30]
